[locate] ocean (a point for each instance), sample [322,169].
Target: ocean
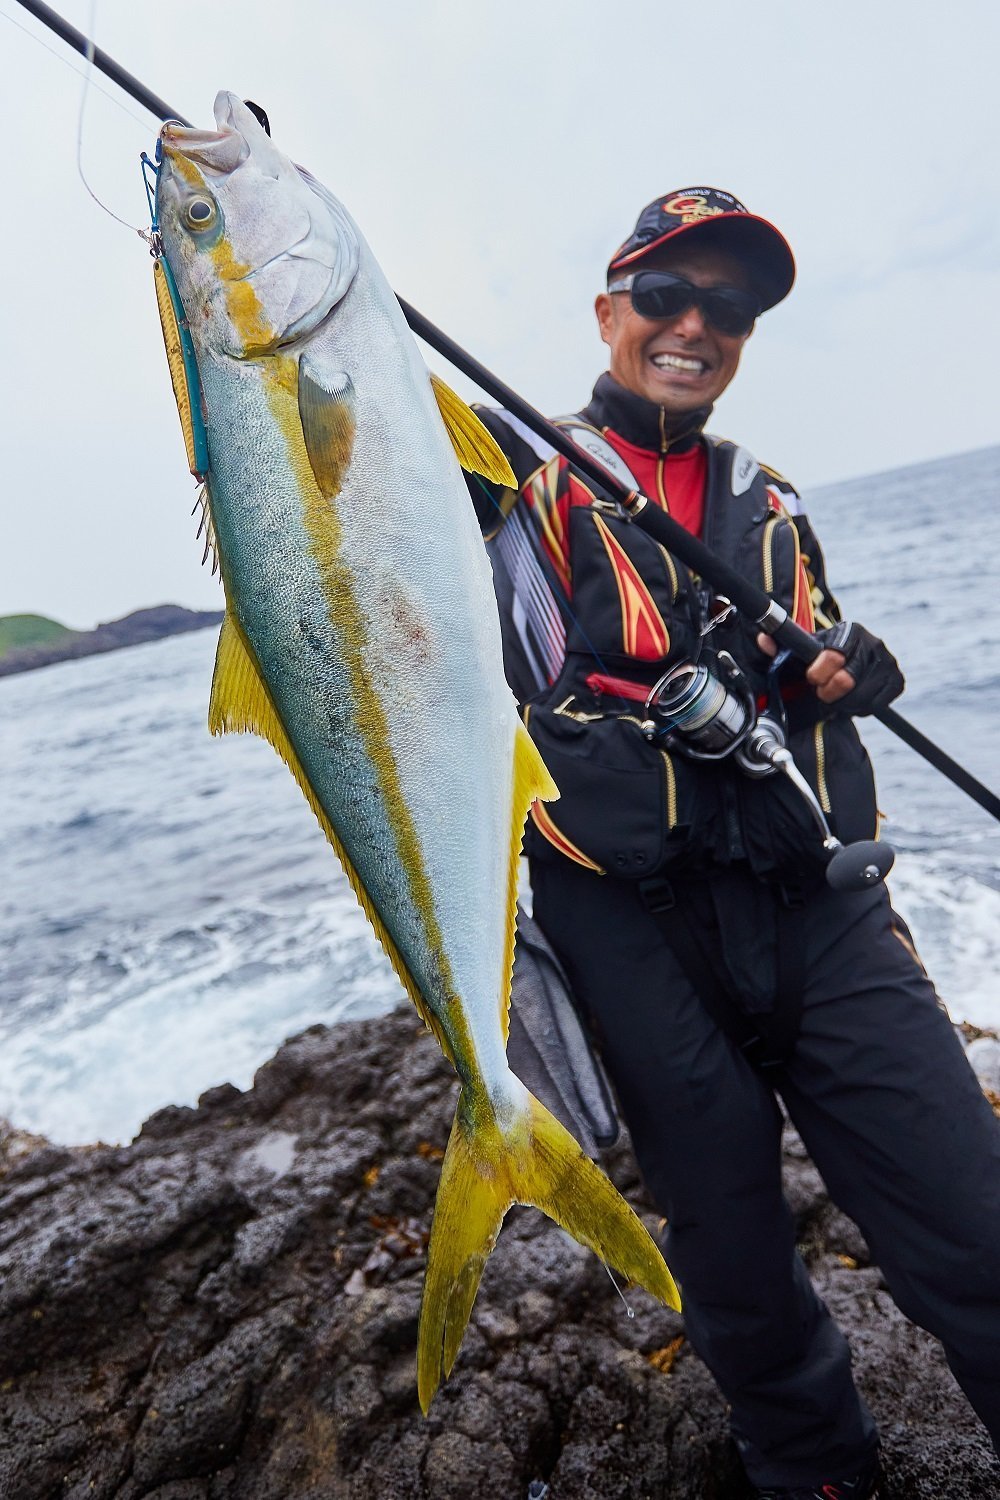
[170,912]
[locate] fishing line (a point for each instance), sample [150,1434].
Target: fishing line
[88,75]
[111,98]
[628,1306]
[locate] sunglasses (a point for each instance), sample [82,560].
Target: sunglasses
[658,294]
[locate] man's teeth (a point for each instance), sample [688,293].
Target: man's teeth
[678,362]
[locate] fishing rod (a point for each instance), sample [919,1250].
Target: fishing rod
[750,600]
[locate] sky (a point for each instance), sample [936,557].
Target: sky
[494,156]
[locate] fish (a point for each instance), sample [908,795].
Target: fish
[361,640]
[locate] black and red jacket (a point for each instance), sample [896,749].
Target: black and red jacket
[594,611]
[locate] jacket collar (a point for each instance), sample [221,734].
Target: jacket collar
[640,422]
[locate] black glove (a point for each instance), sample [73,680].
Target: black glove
[870,663]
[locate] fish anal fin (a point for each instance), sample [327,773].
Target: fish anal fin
[531,781]
[328,417]
[242,704]
[476,449]
[483,1174]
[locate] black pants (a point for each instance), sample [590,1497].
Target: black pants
[887,1106]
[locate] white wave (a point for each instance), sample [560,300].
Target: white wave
[98,1063]
[955,920]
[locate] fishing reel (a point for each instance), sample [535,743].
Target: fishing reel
[705,714]
[708,713]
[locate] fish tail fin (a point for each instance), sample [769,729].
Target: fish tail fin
[485,1172]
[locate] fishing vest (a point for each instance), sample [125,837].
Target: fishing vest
[631,808]
[636,610]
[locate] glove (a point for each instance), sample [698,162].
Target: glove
[870,663]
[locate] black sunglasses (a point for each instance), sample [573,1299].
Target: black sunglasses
[658,294]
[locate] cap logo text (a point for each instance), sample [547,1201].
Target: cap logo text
[690,209]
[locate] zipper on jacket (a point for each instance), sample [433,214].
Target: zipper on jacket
[675,583]
[570,713]
[767,547]
[671,774]
[821,787]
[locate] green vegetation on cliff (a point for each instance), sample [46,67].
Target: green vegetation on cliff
[29,630]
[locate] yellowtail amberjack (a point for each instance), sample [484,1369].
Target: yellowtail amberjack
[361,639]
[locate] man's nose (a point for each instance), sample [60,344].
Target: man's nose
[690,324]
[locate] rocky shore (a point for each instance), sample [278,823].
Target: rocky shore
[226,1310]
[131,630]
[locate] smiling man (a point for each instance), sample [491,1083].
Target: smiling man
[715,965]
[686,361]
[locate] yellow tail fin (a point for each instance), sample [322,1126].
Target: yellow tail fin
[484,1173]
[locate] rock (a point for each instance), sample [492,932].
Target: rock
[984,1055]
[227,1309]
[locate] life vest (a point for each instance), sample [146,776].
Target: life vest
[594,611]
[636,610]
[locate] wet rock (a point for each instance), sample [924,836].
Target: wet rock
[984,1055]
[227,1310]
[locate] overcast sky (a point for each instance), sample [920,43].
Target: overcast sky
[494,156]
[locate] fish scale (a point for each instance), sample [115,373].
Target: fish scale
[361,640]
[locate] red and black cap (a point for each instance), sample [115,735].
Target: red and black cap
[718,219]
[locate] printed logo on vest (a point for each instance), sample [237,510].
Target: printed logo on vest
[745,471]
[599,448]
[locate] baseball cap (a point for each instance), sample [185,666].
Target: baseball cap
[719,219]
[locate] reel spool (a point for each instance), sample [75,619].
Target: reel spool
[711,715]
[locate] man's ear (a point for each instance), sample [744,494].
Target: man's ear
[602,307]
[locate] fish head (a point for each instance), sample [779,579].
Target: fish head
[261,254]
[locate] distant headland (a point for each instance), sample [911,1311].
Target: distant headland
[30,641]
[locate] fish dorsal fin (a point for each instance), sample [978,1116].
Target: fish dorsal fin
[476,449]
[241,703]
[531,780]
[327,414]
[206,526]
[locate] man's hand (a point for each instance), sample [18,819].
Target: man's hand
[855,670]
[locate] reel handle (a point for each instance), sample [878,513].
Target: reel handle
[852,867]
[855,867]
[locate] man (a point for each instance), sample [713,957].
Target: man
[687,900]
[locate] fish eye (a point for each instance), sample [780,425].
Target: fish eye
[200,213]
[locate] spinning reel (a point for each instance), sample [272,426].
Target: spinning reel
[708,712]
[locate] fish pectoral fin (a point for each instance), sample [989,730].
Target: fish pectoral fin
[329,420]
[476,449]
[483,1174]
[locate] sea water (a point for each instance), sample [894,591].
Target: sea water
[170,912]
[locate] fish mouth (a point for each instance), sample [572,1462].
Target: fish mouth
[226,147]
[217,151]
